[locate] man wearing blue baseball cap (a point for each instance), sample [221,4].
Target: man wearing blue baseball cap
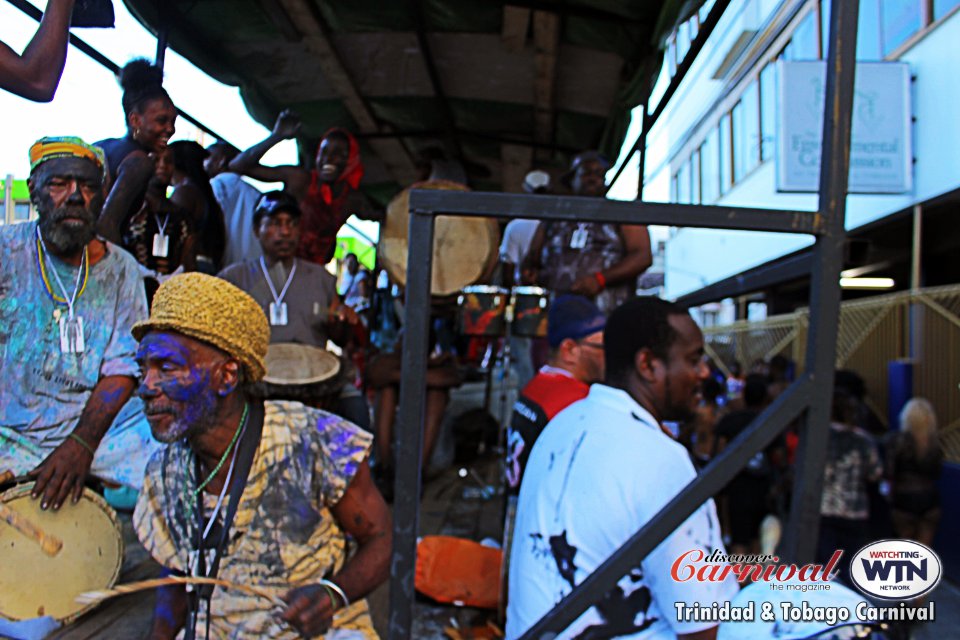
[575,334]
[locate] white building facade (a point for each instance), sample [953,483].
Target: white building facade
[721,142]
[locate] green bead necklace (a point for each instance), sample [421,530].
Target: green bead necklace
[226,454]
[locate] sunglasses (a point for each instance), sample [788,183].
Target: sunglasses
[593,345]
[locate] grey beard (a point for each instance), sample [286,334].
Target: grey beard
[63,239]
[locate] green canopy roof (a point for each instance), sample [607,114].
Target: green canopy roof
[501,87]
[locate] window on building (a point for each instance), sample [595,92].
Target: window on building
[768,111]
[751,125]
[726,154]
[674,189]
[672,56]
[695,197]
[705,10]
[683,183]
[683,41]
[805,41]
[868,29]
[899,19]
[943,7]
[710,168]
[739,142]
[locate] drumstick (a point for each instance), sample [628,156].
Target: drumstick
[95,597]
[6,476]
[50,544]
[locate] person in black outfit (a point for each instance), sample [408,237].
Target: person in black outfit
[745,499]
[914,463]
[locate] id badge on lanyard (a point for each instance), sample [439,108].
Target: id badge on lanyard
[578,239]
[161,245]
[278,314]
[71,334]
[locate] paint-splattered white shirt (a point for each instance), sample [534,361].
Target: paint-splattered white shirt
[599,472]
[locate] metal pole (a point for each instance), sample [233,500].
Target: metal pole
[163,31]
[7,200]
[916,309]
[409,433]
[800,541]
[916,253]
[642,143]
[161,48]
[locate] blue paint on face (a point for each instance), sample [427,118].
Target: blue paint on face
[175,385]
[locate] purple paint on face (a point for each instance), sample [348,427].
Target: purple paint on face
[178,398]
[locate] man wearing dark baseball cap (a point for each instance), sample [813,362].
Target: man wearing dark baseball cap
[298,297]
[598,260]
[575,334]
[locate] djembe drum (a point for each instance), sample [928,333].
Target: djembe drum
[301,372]
[34,584]
[464,248]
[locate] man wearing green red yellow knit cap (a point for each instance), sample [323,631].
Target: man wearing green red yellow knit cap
[263,494]
[67,302]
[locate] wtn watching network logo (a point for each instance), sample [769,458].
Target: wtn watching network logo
[895,569]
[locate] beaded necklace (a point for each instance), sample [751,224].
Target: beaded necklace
[193,494]
[223,458]
[81,284]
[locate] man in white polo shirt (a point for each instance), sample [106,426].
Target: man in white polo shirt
[601,470]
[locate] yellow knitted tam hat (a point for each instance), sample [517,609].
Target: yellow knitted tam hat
[213,311]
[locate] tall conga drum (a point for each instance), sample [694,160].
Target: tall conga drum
[464,248]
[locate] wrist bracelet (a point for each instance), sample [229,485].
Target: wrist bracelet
[83,443]
[333,587]
[601,280]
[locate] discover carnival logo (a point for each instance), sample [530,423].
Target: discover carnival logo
[718,567]
[895,569]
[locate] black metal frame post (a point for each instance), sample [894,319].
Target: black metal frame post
[642,162]
[808,396]
[409,436]
[799,543]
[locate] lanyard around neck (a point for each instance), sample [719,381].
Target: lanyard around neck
[278,299]
[162,227]
[78,287]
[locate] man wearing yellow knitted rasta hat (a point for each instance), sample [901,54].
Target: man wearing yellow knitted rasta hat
[214,311]
[268,489]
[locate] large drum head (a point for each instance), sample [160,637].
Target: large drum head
[298,364]
[302,373]
[464,248]
[34,584]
